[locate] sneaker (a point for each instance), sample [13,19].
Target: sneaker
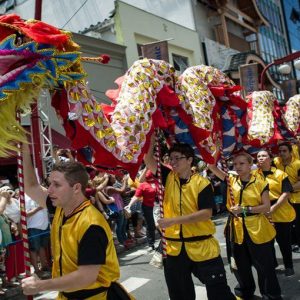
[289,272]
[129,243]
[151,248]
[139,235]
[296,249]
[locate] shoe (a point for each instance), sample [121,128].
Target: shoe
[296,249]
[289,272]
[139,235]
[151,248]
[129,243]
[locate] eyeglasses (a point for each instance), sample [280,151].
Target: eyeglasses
[282,151]
[175,159]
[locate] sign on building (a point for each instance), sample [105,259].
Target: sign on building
[156,50]
[249,78]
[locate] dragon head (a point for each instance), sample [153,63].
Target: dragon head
[29,61]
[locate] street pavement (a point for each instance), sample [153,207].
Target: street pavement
[147,282]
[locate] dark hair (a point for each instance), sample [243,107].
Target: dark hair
[286,144]
[184,149]
[266,150]
[74,172]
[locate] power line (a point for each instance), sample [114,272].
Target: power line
[75,13]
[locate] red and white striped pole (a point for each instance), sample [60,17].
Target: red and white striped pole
[23,213]
[160,192]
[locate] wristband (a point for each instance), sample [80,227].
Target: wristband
[244,211]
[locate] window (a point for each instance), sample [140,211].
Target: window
[180,63]
[139,49]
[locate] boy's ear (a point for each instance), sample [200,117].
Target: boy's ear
[77,187]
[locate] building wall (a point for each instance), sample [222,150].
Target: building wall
[291,10]
[273,40]
[101,77]
[134,26]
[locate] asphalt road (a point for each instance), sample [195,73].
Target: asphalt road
[147,282]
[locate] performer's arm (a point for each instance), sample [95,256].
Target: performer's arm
[265,204]
[214,168]
[205,205]
[201,215]
[84,276]
[91,255]
[149,159]
[285,193]
[32,188]
[263,208]
[296,186]
[217,171]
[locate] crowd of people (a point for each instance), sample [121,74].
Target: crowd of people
[262,200]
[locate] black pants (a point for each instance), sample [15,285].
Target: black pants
[150,224]
[283,238]
[296,225]
[261,257]
[178,274]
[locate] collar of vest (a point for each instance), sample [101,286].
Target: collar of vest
[272,170]
[177,178]
[79,208]
[281,162]
[252,180]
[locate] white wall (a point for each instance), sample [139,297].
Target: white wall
[137,26]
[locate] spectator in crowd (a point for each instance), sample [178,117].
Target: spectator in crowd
[115,188]
[15,258]
[136,209]
[146,192]
[218,198]
[62,155]
[6,237]
[38,234]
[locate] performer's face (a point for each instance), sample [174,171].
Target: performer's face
[179,162]
[263,159]
[60,191]
[284,152]
[242,166]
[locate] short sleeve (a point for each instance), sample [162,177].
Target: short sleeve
[286,186]
[164,174]
[139,191]
[266,188]
[206,198]
[92,247]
